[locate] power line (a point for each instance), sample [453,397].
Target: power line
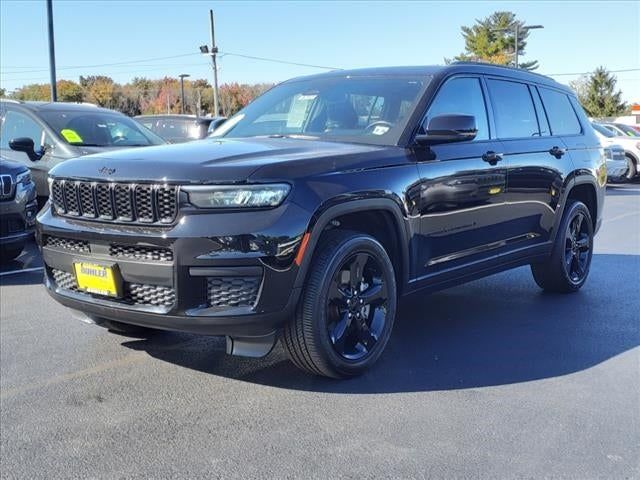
[275,60]
[241,55]
[586,73]
[74,67]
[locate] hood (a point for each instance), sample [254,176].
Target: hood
[210,160]
[9,167]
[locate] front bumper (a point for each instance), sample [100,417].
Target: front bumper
[18,216]
[206,274]
[616,168]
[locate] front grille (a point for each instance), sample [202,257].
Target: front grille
[70,244]
[134,293]
[121,202]
[158,254]
[232,291]
[7,187]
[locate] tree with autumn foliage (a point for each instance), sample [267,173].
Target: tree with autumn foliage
[492,40]
[146,96]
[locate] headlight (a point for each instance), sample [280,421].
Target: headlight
[237,196]
[23,178]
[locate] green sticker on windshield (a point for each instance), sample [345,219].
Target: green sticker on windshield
[71,136]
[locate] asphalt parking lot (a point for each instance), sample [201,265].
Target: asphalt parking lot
[493,379]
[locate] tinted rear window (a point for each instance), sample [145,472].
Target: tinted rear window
[513,109]
[561,115]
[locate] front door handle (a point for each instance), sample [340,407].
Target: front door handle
[492,158]
[557,152]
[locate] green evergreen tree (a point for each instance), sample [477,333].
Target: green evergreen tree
[492,40]
[599,97]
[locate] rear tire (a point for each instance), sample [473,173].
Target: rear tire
[347,309]
[567,269]
[124,328]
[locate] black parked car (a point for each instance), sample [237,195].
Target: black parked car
[43,134]
[323,202]
[180,128]
[18,208]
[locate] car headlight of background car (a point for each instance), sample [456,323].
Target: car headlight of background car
[237,196]
[23,178]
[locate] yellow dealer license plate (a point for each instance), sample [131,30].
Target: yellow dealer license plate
[98,279]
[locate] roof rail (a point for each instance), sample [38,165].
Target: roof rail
[11,100]
[485,63]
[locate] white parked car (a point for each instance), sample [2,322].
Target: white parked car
[630,145]
[621,130]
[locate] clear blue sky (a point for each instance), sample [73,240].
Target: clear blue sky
[578,36]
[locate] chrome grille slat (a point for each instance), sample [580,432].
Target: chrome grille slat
[122,201]
[115,201]
[87,202]
[7,187]
[144,203]
[71,198]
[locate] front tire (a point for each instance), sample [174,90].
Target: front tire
[567,269]
[632,170]
[345,316]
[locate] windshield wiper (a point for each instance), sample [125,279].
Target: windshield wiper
[293,135]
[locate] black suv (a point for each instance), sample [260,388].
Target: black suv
[323,202]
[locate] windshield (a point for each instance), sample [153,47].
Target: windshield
[628,130]
[175,130]
[359,109]
[604,131]
[99,129]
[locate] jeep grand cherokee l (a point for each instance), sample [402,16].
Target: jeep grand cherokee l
[320,204]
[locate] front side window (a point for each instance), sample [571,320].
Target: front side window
[17,125]
[561,115]
[363,109]
[513,109]
[463,96]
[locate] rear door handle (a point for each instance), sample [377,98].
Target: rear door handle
[558,152]
[492,158]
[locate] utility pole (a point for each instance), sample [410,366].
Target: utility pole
[182,77]
[52,52]
[214,51]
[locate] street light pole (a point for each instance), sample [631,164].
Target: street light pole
[52,52]
[517,32]
[182,77]
[214,51]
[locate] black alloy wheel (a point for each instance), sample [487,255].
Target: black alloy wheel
[357,306]
[577,250]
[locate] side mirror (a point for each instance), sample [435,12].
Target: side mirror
[449,128]
[26,145]
[215,124]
